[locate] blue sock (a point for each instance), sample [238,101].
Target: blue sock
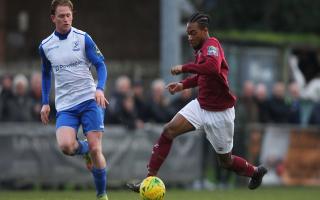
[100,180]
[83,148]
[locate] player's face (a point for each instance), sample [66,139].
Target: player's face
[62,19]
[196,35]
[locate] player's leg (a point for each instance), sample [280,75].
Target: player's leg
[186,120]
[92,123]
[99,162]
[243,168]
[177,126]
[67,141]
[237,164]
[66,134]
[219,128]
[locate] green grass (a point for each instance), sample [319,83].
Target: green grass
[279,193]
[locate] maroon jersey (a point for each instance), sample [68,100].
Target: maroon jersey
[211,75]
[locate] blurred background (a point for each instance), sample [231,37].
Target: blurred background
[272,48]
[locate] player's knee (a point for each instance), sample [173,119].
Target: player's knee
[68,148]
[95,150]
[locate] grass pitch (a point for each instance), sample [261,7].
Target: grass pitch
[278,193]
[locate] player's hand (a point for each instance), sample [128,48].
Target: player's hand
[174,87]
[44,113]
[176,70]
[100,99]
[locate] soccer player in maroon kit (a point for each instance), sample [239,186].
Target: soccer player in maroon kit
[212,111]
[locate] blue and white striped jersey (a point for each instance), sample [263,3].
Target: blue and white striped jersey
[70,57]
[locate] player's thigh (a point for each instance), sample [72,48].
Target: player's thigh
[192,112]
[219,129]
[92,118]
[187,119]
[67,127]
[66,136]
[177,126]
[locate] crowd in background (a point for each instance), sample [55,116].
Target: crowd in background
[130,104]
[133,103]
[281,106]
[20,98]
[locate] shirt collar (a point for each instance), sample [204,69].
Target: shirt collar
[62,36]
[196,52]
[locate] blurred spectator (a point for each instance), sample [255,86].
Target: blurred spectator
[6,96]
[20,107]
[140,102]
[35,94]
[122,88]
[128,115]
[294,104]
[246,106]
[159,104]
[261,97]
[279,110]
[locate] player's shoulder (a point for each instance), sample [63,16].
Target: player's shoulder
[211,46]
[78,31]
[47,40]
[212,41]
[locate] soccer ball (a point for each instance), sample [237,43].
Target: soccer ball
[152,188]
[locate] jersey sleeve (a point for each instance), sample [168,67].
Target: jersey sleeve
[210,61]
[95,56]
[46,76]
[190,82]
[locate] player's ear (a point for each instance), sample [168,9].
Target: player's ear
[52,18]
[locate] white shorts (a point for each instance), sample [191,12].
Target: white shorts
[218,126]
